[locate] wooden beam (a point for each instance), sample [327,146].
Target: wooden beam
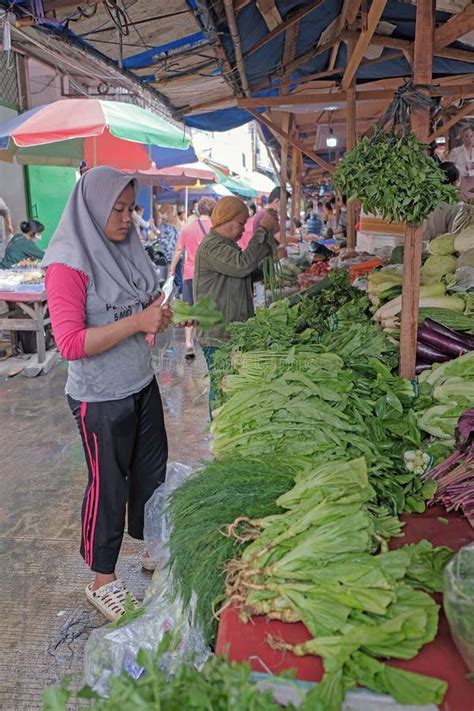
[295,162]
[465,111]
[350,143]
[212,105]
[462,90]
[423,61]
[454,28]
[314,157]
[240,4]
[465,90]
[375,13]
[237,44]
[290,20]
[289,50]
[302,59]
[348,16]
[461,55]
[270,13]
[284,178]
[310,98]
[378,40]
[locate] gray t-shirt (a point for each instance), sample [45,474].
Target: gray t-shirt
[121,371]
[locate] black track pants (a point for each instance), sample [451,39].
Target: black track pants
[126,453]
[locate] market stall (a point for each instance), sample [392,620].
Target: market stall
[308,541]
[23,291]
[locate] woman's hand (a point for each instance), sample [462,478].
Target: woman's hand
[155,318]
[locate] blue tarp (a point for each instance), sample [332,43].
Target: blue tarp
[266,61]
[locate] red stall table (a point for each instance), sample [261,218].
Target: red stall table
[248,642]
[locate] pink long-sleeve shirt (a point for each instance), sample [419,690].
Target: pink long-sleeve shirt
[67,293]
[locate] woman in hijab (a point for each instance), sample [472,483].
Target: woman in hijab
[223,271]
[101,289]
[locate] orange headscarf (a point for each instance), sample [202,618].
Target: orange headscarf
[228,209]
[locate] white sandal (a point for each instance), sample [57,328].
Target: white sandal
[109,599]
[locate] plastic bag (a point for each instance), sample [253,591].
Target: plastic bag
[156,529]
[110,652]
[459,601]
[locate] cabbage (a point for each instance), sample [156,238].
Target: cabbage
[466,259]
[464,241]
[443,244]
[436,267]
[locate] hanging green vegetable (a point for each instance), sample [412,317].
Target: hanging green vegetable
[391,173]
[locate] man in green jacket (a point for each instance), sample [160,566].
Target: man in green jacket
[223,271]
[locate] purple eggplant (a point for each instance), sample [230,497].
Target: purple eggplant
[421,365]
[449,333]
[443,343]
[430,354]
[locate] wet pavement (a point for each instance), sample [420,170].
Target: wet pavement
[42,482]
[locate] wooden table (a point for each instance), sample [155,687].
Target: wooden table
[35,306]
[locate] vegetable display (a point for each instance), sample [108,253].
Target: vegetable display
[211,498]
[301,319]
[455,476]
[437,343]
[317,563]
[446,392]
[311,407]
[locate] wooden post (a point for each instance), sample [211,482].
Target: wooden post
[295,161]
[425,14]
[350,143]
[284,180]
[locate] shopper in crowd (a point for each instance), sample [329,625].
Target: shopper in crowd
[328,213]
[463,157]
[440,221]
[223,271]
[181,219]
[249,229]
[22,245]
[193,214]
[142,226]
[6,226]
[273,203]
[101,291]
[188,242]
[169,233]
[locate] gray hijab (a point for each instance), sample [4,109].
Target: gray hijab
[121,272]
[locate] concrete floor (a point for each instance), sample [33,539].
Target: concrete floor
[41,487]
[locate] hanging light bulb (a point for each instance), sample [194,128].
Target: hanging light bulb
[331,140]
